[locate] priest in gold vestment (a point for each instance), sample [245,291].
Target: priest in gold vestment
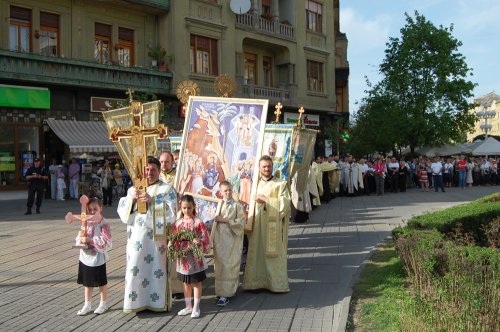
[266,265]
[167,175]
[227,239]
[168,171]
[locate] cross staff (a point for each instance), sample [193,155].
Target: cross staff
[278,108]
[299,121]
[84,219]
[130,94]
[138,133]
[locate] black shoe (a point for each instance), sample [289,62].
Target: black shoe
[27,212]
[37,211]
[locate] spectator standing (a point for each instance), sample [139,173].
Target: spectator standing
[53,179]
[393,171]
[106,179]
[379,171]
[437,174]
[74,177]
[448,173]
[36,175]
[462,172]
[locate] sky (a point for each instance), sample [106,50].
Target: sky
[368,25]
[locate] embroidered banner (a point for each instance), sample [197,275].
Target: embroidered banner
[277,145]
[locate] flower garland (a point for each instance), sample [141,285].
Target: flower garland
[175,239]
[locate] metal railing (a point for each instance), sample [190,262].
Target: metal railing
[56,70]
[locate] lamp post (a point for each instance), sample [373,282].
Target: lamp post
[485,115]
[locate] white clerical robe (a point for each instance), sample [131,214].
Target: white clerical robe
[147,273]
[227,239]
[266,265]
[352,177]
[316,184]
[176,285]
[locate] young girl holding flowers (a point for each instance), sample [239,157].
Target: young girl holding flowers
[189,240]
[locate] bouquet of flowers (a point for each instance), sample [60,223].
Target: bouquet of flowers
[181,244]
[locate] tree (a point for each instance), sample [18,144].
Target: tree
[425,83]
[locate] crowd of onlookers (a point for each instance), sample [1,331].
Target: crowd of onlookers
[437,173]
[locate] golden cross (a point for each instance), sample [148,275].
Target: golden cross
[137,133]
[278,108]
[130,94]
[299,121]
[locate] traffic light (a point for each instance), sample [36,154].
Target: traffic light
[344,136]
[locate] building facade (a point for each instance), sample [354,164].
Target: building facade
[487,102]
[69,60]
[57,56]
[288,51]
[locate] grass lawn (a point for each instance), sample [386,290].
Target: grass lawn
[379,293]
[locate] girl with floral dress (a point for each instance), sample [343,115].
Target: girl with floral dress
[92,265]
[191,268]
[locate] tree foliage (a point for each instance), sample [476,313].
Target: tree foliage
[422,97]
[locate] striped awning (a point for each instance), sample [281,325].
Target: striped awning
[83,136]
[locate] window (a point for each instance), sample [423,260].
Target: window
[49,34]
[266,9]
[314,76]
[250,68]
[102,43]
[314,14]
[203,55]
[125,47]
[267,68]
[20,29]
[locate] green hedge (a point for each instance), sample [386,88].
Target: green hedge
[473,219]
[456,287]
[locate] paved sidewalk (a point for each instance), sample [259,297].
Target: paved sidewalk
[38,268]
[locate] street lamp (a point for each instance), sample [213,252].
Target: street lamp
[485,115]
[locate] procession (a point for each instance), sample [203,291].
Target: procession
[248,165]
[205,203]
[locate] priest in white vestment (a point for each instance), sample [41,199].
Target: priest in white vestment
[352,176]
[147,271]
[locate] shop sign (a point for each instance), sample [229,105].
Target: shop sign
[307,119]
[100,104]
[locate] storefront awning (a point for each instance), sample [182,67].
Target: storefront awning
[83,136]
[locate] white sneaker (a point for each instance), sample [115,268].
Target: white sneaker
[185,312]
[83,311]
[102,308]
[195,314]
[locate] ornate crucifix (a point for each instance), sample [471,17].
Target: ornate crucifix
[278,108]
[83,219]
[137,134]
[299,121]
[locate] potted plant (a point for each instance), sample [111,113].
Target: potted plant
[157,55]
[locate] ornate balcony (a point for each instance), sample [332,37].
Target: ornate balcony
[52,70]
[260,24]
[282,95]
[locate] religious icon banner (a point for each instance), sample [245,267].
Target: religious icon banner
[302,153]
[207,208]
[175,143]
[222,140]
[277,145]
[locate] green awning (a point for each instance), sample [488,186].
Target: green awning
[24,97]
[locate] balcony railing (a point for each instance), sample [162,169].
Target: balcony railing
[261,24]
[52,70]
[273,94]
